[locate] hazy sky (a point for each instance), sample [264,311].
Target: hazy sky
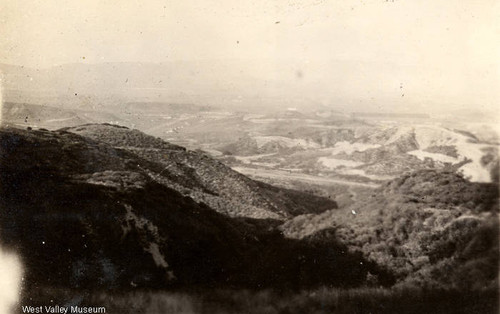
[402,52]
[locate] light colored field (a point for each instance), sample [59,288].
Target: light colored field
[284,175]
[420,154]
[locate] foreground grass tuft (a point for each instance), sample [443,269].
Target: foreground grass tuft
[318,301]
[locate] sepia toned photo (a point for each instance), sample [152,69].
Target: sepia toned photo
[249,157]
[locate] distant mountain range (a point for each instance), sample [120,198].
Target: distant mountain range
[103,85]
[226,84]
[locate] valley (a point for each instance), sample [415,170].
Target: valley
[216,200]
[315,147]
[250,157]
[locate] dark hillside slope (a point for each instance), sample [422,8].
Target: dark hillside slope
[430,228]
[205,179]
[83,214]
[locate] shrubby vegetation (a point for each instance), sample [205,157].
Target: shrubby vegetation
[430,228]
[105,215]
[202,178]
[120,136]
[136,213]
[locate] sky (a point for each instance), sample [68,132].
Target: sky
[396,53]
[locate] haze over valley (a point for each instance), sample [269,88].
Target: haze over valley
[250,157]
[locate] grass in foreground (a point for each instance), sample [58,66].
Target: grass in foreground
[322,300]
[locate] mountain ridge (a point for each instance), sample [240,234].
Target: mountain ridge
[98,209]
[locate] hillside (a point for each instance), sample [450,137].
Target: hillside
[124,211]
[103,213]
[430,228]
[311,143]
[376,152]
[206,180]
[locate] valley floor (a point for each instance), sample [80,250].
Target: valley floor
[292,176]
